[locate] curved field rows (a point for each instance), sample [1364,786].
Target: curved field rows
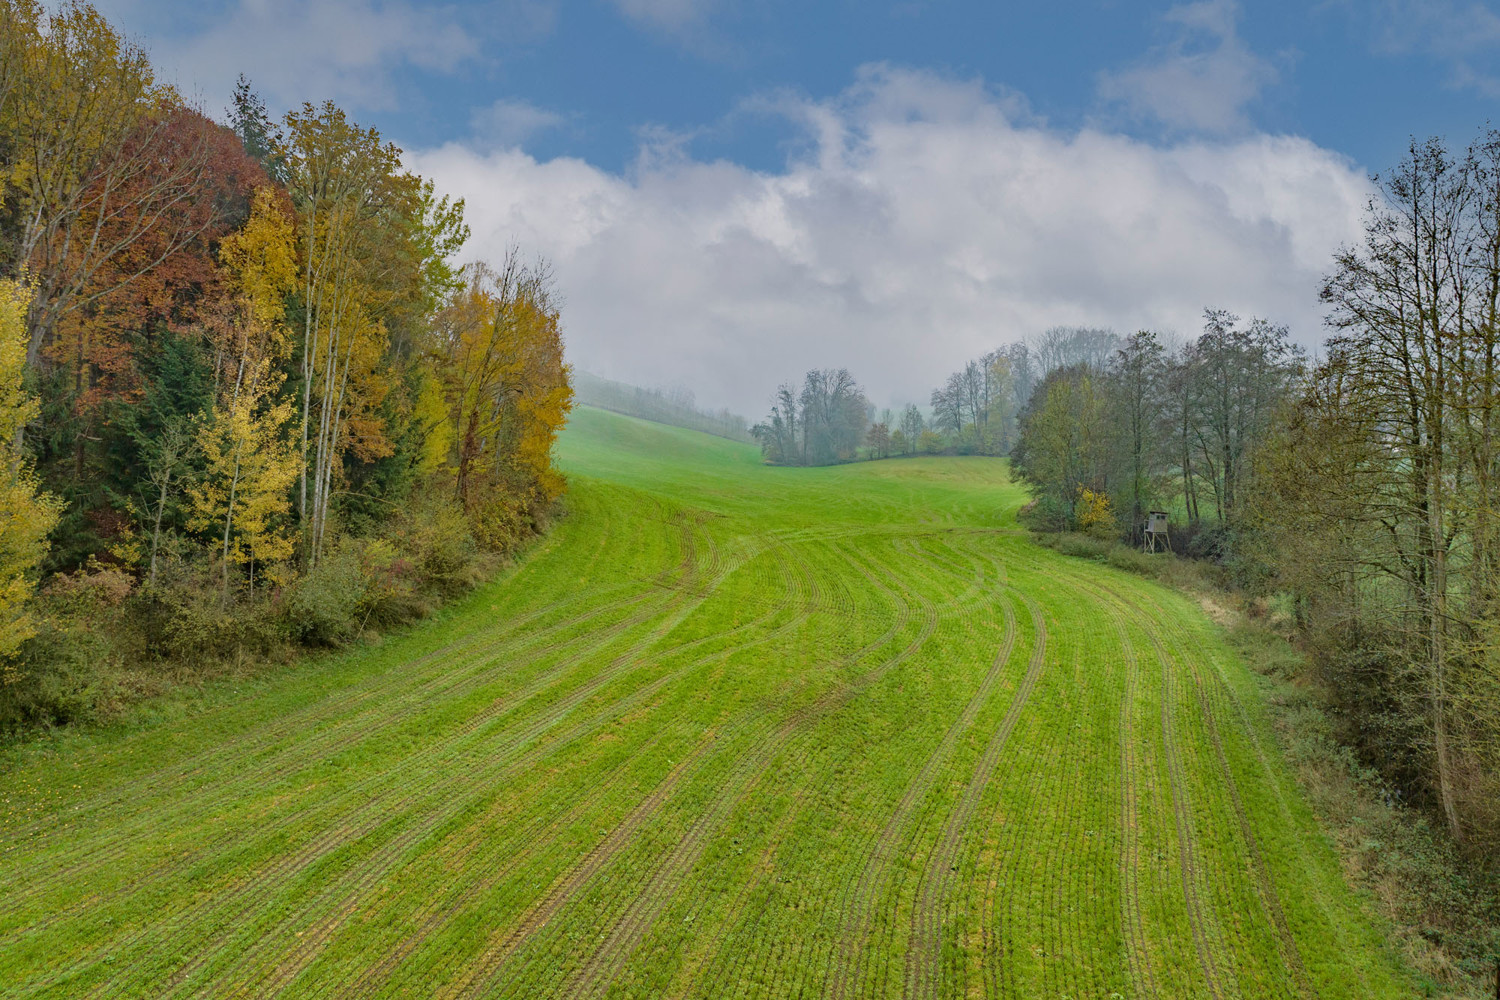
[729,731]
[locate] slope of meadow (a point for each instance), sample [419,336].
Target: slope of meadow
[728,731]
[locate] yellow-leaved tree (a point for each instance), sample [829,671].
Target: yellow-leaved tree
[26,515]
[500,346]
[250,459]
[1095,513]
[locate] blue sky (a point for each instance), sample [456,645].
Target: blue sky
[734,190]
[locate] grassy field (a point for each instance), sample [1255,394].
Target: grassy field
[729,731]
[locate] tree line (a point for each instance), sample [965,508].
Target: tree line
[676,406]
[1149,427]
[821,423]
[974,412]
[251,399]
[1361,486]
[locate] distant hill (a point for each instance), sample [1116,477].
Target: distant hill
[665,406]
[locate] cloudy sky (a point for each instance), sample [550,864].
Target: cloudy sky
[732,192]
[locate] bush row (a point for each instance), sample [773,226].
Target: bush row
[107,639]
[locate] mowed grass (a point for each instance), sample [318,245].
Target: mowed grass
[729,731]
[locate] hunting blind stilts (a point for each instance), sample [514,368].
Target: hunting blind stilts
[1155,538]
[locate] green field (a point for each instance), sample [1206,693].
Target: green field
[728,731]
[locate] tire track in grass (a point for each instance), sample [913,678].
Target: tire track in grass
[905,550]
[857,924]
[732,917]
[1138,954]
[647,905]
[1272,780]
[379,809]
[313,943]
[1270,899]
[802,593]
[563,888]
[533,838]
[441,909]
[1085,964]
[338,736]
[926,930]
[1033,784]
[1200,920]
[750,924]
[448,682]
[667,882]
[343,833]
[643,910]
[911,841]
[390,854]
[272,730]
[854,951]
[503,947]
[1202,923]
[977,595]
[924,831]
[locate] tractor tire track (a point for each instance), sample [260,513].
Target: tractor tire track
[439,911]
[387,803]
[857,924]
[922,971]
[1270,898]
[648,904]
[389,854]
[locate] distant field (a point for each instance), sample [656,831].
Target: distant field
[731,731]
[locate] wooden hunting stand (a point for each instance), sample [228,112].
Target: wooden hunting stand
[1155,538]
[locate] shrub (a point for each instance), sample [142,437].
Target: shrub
[435,537]
[1083,546]
[1094,515]
[1201,540]
[391,584]
[1131,560]
[104,640]
[323,608]
[1046,513]
[501,518]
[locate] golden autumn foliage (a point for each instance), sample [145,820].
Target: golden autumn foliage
[262,260]
[253,349]
[508,392]
[1096,515]
[250,461]
[26,515]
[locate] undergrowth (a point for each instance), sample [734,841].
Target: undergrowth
[107,641]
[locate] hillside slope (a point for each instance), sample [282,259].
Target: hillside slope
[730,731]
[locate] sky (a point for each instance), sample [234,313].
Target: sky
[731,192]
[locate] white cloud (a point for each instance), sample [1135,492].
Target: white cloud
[1442,27]
[1201,80]
[511,122]
[926,225]
[1465,35]
[297,50]
[667,15]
